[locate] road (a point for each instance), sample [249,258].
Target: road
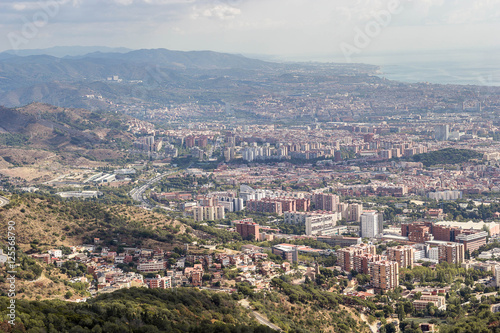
[260,318]
[137,193]
[4,201]
[373,327]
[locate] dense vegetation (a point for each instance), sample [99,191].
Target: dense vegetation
[305,308]
[135,310]
[469,212]
[182,183]
[13,140]
[87,219]
[443,275]
[447,156]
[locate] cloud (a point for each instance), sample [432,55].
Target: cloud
[19,6]
[124,2]
[217,11]
[254,26]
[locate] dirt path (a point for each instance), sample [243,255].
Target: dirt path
[260,318]
[373,327]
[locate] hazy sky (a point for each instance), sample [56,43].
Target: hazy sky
[291,28]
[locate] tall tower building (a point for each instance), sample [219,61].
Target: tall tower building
[442,132]
[371,224]
[384,274]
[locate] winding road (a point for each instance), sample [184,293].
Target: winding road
[4,201]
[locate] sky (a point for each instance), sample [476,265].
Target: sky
[289,29]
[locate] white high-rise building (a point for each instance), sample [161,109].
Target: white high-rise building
[371,224]
[497,276]
[442,132]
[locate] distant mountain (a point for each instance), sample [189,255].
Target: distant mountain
[184,60]
[157,76]
[63,51]
[63,81]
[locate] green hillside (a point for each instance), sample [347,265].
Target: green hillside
[447,156]
[135,310]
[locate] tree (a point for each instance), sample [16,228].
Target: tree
[363,278]
[401,312]
[388,310]
[390,328]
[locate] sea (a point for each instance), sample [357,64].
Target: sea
[464,68]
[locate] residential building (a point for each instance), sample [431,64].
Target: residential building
[442,132]
[346,255]
[316,223]
[361,262]
[288,253]
[158,281]
[497,276]
[445,195]
[384,274]
[201,213]
[266,205]
[426,298]
[403,255]
[325,201]
[151,266]
[371,224]
[452,253]
[3,257]
[351,212]
[247,229]
[56,253]
[418,232]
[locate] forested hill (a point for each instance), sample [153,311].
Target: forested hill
[50,221]
[136,310]
[447,156]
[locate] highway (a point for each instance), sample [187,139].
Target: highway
[137,193]
[4,201]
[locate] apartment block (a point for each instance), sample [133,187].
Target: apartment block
[152,266]
[326,201]
[346,255]
[418,232]
[472,241]
[248,230]
[164,282]
[403,255]
[316,223]
[384,274]
[371,224]
[201,213]
[265,206]
[452,253]
[361,262]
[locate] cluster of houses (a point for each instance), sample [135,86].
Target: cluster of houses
[156,268]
